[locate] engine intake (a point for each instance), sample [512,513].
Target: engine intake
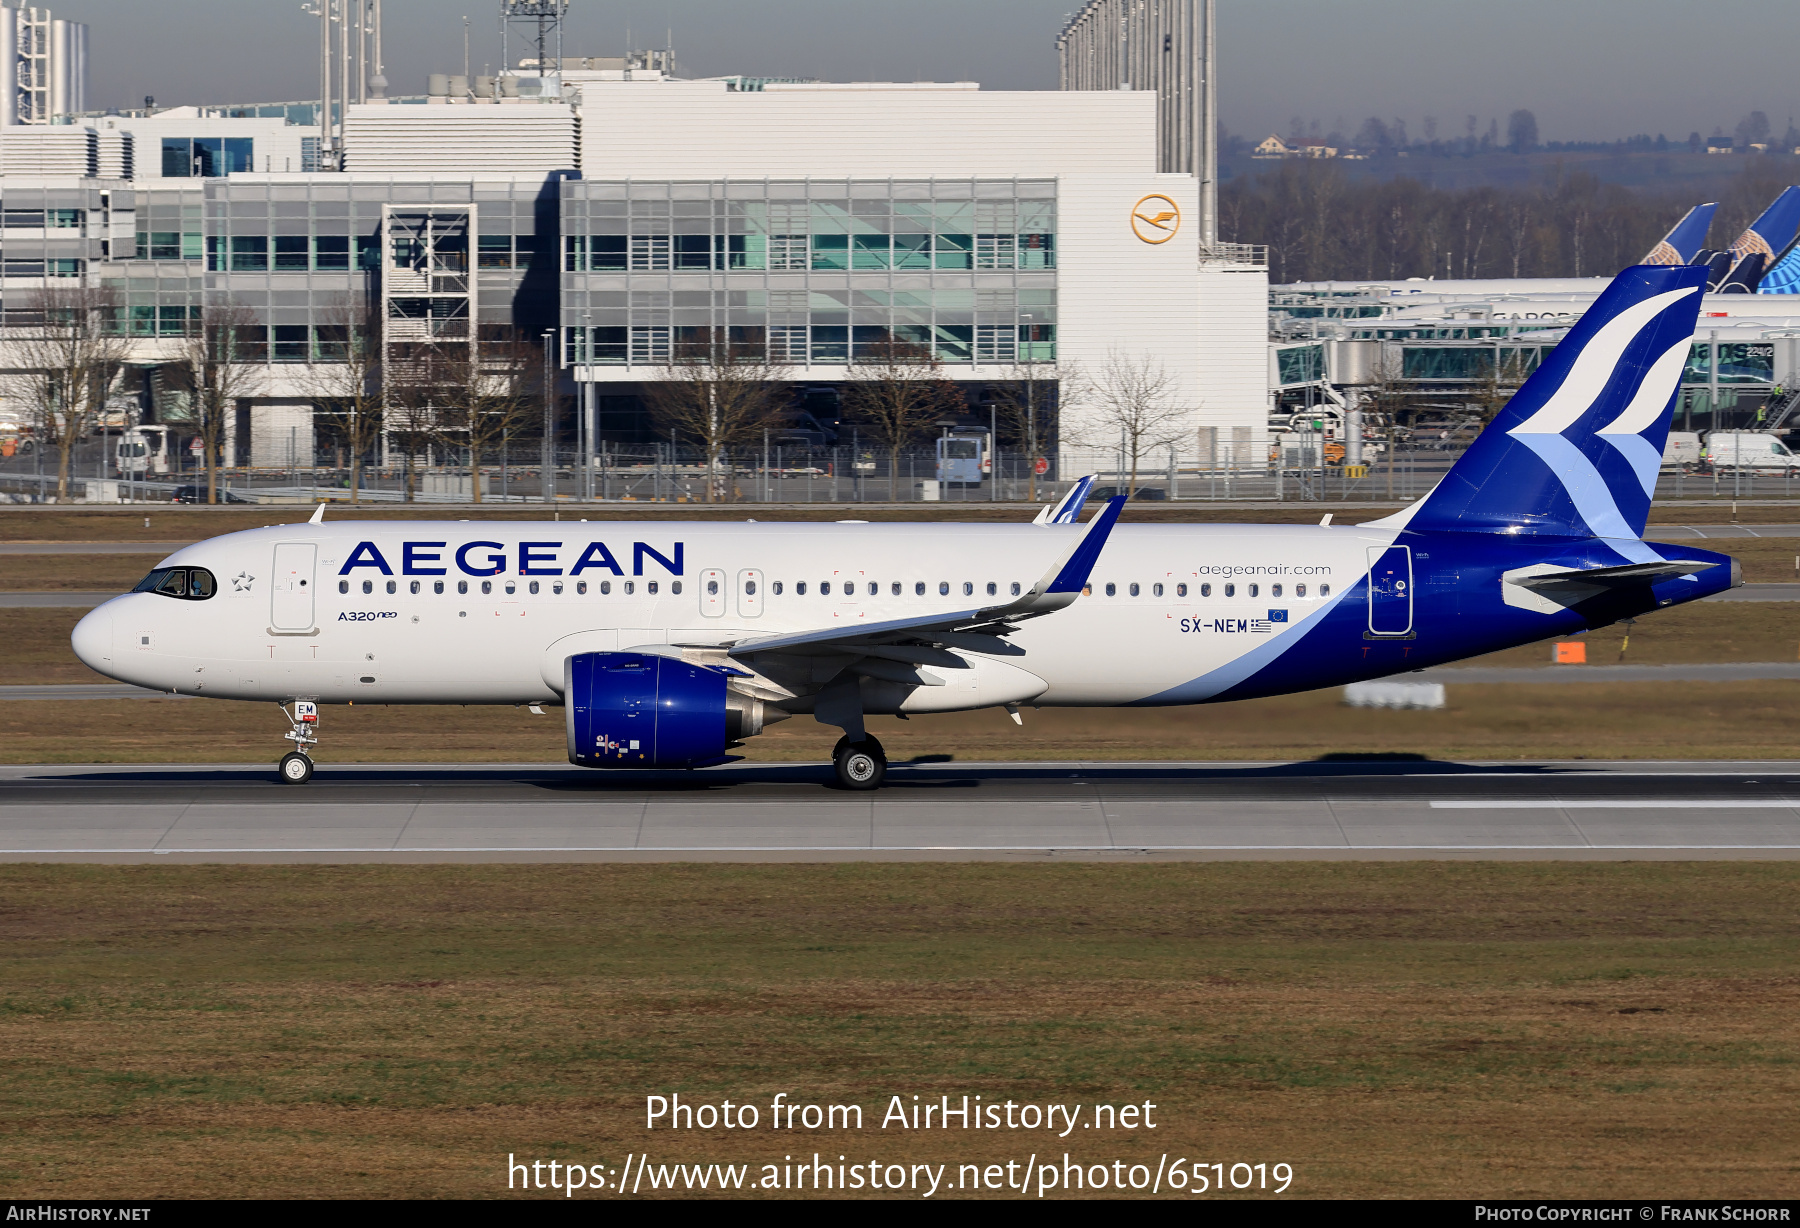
[636,710]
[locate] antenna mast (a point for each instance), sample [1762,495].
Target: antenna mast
[547,18]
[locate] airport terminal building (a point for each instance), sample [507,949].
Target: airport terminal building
[619,214]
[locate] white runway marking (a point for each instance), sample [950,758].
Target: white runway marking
[1622,804]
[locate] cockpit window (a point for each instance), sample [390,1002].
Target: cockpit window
[186,583]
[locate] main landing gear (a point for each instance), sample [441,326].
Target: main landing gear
[296,767]
[860,765]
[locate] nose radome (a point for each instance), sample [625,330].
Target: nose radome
[92,640]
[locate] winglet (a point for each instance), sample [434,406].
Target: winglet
[318,516]
[1065,511]
[1079,565]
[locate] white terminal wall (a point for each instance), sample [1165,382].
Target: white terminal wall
[699,130]
[460,141]
[277,147]
[1118,297]
[1232,353]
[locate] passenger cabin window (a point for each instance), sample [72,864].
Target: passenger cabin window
[1253,590]
[1015,588]
[185,583]
[343,586]
[368,586]
[1299,590]
[778,588]
[1231,590]
[1274,590]
[1324,590]
[1206,590]
[943,588]
[1134,589]
[437,586]
[462,586]
[581,588]
[919,588]
[1156,590]
[895,589]
[1112,590]
[1181,590]
[415,587]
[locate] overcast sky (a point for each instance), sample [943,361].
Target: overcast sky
[1589,69]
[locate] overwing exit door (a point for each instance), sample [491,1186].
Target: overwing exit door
[291,590]
[1390,590]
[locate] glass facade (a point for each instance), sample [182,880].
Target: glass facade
[207,157]
[1740,362]
[299,254]
[811,272]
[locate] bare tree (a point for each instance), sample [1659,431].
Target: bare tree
[1133,398]
[1026,404]
[346,379]
[218,362]
[1496,382]
[719,394]
[414,412]
[898,389]
[488,392]
[72,352]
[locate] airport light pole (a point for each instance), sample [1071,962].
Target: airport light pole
[547,456]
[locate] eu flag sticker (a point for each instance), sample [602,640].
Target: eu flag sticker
[1277,616]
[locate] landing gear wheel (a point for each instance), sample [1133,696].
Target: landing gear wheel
[860,765]
[295,768]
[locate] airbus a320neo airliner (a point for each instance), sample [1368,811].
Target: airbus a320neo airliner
[668,644]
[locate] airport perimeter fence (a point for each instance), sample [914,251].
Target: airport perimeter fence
[797,474]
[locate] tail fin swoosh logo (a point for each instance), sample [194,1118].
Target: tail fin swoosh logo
[1546,431]
[1576,451]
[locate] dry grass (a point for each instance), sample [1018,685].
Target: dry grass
[1739,720]
[1418,1029]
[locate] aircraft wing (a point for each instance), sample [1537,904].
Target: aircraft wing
[978,629]
[1626,576]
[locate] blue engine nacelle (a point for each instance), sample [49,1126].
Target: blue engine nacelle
[635,710]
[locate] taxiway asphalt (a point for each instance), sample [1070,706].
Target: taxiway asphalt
[1356,810]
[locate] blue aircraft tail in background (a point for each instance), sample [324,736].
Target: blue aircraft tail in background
[1685,238]
[1576,451]
[1768,237]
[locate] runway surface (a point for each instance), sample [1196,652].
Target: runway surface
[1346,810]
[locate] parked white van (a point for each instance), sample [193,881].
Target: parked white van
[1682,451]
[1755,450]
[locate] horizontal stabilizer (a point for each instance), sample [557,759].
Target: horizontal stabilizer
[1628,576]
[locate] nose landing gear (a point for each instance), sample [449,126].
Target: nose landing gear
[296,767]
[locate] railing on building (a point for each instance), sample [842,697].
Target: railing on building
[1254,254]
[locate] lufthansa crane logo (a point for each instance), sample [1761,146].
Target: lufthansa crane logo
[1155,219]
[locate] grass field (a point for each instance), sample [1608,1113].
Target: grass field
[1487,721]
[1737,720]
[1467,1030]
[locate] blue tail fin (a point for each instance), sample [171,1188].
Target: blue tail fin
[1769,235]
[1685,238]
[1576,451]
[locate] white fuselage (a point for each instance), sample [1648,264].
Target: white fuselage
[437,624]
